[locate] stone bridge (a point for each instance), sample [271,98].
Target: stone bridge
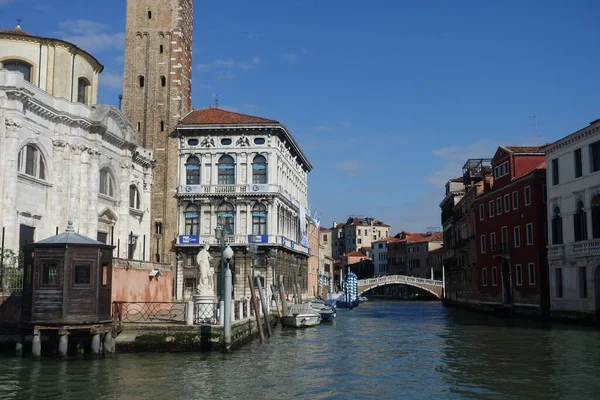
[432,286]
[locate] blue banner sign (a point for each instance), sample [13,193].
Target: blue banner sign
[258,238]
[189,239]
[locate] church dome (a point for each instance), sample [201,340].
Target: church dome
[60,68]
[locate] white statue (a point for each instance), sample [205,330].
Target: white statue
[206,272]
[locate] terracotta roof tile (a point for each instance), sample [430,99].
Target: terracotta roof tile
[524,149]
[16,31]
[216,116]
[355,254]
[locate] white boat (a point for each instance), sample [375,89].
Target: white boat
[301,316]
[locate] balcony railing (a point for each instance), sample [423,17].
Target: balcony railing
[556,251]
[500,249]
[586,248]
[228,189]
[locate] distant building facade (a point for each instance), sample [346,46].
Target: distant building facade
[573,183]
[511,233]
[356,233]
[418,246]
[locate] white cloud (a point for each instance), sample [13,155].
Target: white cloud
[111,80]
[90,36]
[323,128]
[291,57]
[253,36]
[224,75]
[453,159]
[354,166]
[231,64]
[5,2]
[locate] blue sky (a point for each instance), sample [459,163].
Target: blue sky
[387,98]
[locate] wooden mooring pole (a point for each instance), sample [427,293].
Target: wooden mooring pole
[264,307]
[261,334]
[282,296]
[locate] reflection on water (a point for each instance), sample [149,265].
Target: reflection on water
[381,350]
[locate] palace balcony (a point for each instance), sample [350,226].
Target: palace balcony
[586,248]
[243,240]
[500,250]
[248,190]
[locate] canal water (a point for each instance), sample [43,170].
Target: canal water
[380,350]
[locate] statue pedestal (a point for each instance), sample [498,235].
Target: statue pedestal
[205,308]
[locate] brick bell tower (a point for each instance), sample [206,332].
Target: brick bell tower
[156,95]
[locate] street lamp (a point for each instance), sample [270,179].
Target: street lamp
[220,236]
[227,254]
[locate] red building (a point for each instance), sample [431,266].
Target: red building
[510,229]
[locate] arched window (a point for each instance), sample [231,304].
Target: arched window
[31,162]
[580,223]
[107,183]
[259,170]
[134,197]
[162,126]
[226,214]
[20,66]
[192,220]
[163,81]
[596,216]
[158,228]
[149,14]
[226,169]
[83,91]
[192,171]
[557,231]
[160,49]
[139,126]
[141,81]
[259,219]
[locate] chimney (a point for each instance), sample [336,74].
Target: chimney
[334,224]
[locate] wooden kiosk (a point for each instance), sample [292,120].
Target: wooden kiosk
[67,291]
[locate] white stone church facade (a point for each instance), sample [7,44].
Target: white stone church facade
[67,158]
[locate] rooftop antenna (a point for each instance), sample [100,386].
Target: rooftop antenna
[537,132]
[216,101]
[19,23]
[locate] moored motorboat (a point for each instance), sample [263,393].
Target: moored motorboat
[301,316]
[327,312]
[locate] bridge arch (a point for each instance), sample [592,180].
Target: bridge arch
[429,285]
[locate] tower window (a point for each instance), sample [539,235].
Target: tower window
[139,126]
[83,90]
[149,14]
[163,81]
[141,80]
[162,126]
[160,49]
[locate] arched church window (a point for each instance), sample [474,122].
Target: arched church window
[192,171]
[160,49]
[83,90]
[226,214]
[226,170]
[134,197]
[162,126]
[141,81]
[149,14]
[259,170]
[19,66]
[107,183]
[31,162]
[259,219]
[163,81]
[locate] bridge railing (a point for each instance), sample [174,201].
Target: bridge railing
[399,279]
